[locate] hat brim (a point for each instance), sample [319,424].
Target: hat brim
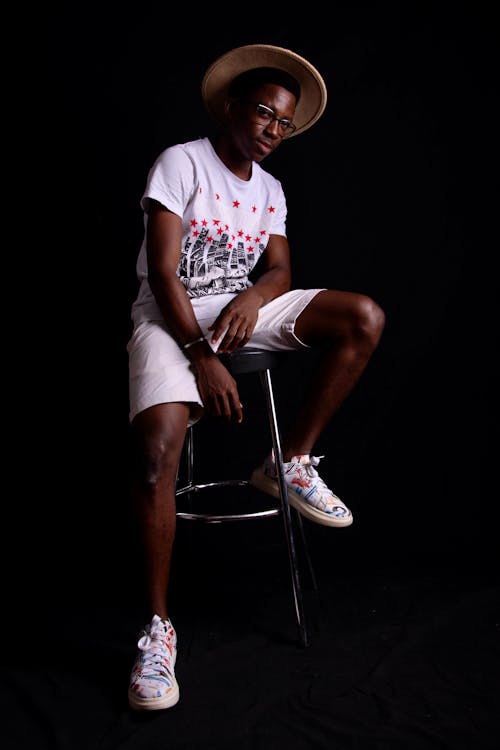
[215,83]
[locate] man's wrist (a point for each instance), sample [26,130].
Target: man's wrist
[198,350]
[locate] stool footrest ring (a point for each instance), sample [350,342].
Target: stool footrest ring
[213,518]
[223,483]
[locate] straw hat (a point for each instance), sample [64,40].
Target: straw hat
[215,83]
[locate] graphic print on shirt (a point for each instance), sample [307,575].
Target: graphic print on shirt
[223,245]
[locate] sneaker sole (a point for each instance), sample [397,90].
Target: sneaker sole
[154,704]
[270,486]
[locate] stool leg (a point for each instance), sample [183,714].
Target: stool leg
[292,555]
[190,456]
[306,550]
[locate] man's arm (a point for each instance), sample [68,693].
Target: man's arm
[164,242]
[239,317]
[164,239]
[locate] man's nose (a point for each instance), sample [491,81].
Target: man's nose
[273,129]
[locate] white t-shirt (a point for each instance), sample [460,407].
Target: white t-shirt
[226,221]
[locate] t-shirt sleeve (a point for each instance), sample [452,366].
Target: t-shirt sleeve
[170,180]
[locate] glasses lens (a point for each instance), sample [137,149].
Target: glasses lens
[265,115]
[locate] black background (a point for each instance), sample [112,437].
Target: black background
[393,193]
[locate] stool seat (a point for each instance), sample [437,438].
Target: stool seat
[239,362]
[249,359]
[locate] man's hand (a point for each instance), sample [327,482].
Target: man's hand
[237,319]
[218,389]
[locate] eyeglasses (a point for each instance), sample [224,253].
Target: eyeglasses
[266,116]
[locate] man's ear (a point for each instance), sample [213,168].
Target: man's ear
[229,105]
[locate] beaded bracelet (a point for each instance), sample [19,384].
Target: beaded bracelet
[192,343]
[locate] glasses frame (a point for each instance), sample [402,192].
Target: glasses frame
[285,127]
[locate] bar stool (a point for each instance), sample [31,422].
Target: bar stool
[240,362]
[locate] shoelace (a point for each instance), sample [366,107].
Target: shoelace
[309,467]
[154,644]
[311,471]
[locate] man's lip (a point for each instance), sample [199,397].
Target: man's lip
[264,144]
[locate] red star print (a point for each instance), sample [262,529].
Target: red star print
[193,222]
[254,209]
[271,209]
[236,204]
[204,222]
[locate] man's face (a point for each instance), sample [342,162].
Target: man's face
[258,123]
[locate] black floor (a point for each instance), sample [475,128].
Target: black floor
[404,645]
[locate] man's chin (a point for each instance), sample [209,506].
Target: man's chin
[262,150]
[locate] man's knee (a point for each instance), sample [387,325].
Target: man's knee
[154,460]
[370,318]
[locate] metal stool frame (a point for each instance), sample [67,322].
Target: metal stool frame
[250,360]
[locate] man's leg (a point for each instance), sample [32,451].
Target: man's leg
[158,435]
[346,327]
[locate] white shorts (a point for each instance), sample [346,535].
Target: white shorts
[159,371]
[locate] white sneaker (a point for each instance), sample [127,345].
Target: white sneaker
[307,492]
[152,682]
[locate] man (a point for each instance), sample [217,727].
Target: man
[211,212]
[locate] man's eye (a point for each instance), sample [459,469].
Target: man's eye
[264,111]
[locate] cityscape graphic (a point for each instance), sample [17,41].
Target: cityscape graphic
[211,265]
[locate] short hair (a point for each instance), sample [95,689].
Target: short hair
[250,80]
